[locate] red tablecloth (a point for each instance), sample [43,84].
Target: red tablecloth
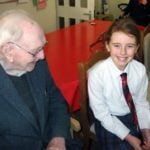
[65,49]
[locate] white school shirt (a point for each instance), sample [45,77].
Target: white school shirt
[106,95]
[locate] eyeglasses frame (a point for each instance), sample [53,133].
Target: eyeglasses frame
[33,55]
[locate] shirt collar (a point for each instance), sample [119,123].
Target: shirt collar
[115,71]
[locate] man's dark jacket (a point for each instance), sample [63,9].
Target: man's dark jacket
[18,128]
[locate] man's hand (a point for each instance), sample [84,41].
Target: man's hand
[57,143]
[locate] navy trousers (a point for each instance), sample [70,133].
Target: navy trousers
[109,141]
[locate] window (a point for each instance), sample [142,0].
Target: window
[61,2]
[72,3]
[61,22]
[72,21]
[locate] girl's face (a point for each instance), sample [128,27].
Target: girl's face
[122,48]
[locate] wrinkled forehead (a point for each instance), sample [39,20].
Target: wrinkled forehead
[32,32]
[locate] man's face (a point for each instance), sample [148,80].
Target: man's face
[28,50]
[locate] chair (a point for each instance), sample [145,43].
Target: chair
[85,113]
[147,30]
[146,47]
[122,6]
[74,123]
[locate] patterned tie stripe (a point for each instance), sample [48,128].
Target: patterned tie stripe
[128,98]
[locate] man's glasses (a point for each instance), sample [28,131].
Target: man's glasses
[33,54]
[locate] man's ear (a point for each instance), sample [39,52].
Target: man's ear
[7,51]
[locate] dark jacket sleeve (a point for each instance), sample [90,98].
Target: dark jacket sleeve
[58,113]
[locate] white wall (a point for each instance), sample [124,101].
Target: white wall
[45,17]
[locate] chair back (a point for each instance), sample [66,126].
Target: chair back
[122,6]
[146,46]
[85,113]
[147,30]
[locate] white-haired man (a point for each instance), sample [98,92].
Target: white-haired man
[33,113]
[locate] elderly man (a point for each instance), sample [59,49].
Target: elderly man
[33,113]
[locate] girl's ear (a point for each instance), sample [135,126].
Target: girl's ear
[107,46]
[7,51]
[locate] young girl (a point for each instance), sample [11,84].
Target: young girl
[114,125]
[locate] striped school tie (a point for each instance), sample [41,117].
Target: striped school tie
[128,98]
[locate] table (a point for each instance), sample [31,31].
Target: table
[65,49]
